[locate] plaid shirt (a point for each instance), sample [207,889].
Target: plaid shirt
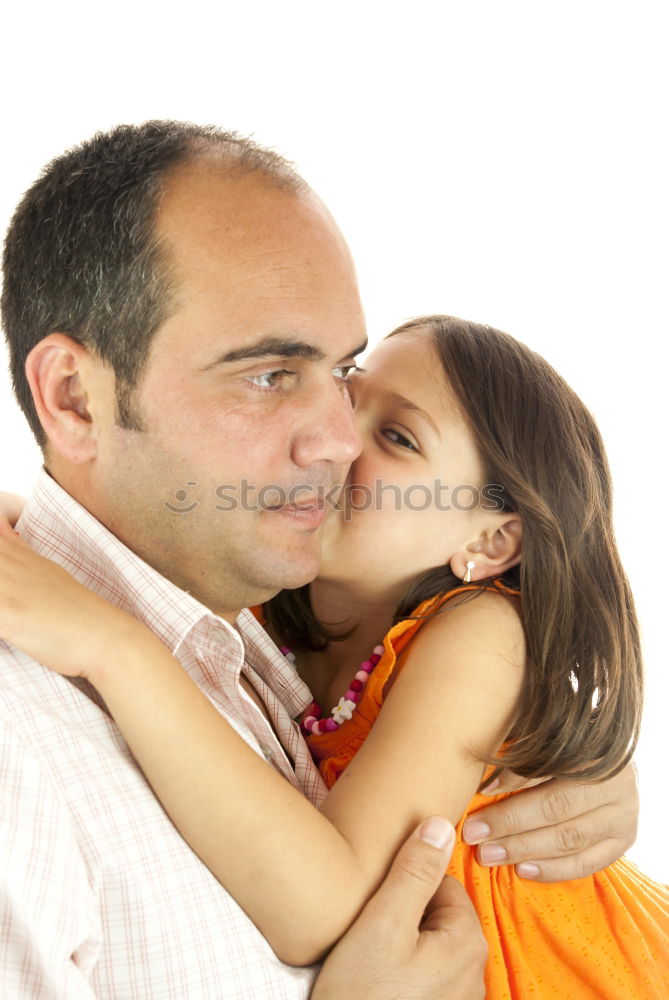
[99,895]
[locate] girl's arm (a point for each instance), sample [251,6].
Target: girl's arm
[302,875]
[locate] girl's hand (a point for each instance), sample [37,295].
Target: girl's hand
[45,612]
[11,506]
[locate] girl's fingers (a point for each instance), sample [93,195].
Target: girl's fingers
[11,506]
[6,529]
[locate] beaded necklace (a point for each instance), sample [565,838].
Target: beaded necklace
[344,709]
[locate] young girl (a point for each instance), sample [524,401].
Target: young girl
[477,541]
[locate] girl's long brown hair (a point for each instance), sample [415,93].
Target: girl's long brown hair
[580,709]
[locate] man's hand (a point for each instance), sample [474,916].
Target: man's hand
[418,937]
[557,830]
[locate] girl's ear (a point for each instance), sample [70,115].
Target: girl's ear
[497,549]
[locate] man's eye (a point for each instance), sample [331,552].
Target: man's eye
[269,380]
[399,439]
[345,371]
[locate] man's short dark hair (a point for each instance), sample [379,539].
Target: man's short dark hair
[81,255]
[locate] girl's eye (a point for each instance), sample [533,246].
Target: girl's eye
[399,439]
[269,380]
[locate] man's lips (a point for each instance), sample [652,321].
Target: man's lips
[316,502]
[309,512]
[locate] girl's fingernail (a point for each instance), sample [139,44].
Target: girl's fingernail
[489,789]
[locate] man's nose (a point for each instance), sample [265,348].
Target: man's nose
[328,432]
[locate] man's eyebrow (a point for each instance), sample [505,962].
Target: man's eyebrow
[276,347]
[357,350]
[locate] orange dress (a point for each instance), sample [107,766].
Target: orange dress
[604,937]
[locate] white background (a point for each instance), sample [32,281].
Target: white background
[502,161]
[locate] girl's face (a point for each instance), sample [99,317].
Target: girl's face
[415,490]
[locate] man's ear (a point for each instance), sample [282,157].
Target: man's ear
[496,550]
[55,369]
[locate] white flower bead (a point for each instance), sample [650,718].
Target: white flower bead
[343,711]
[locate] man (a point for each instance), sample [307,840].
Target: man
[181,312]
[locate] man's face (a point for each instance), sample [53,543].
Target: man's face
[243,385]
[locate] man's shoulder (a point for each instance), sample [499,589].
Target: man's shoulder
[19,673]
[43,710]
[25,734]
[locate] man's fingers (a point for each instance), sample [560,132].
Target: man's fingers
[549,803]
[555,800]
[451,908]
[452,927]
[509,781]
[415,874]
[560,829]
[418,935]
[572,866]
[559,840]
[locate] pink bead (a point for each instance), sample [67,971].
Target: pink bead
[362,677]
[285,649]
[367,666]
[351,695]
[330,725]
[316,729]
[356,685]
[309,721]
[378,651]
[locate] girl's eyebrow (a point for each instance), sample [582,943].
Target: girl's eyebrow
[407,404]
[397,399]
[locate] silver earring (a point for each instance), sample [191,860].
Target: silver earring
[467,578]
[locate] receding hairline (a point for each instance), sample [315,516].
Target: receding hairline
[237,160]
[231,161]
[222,163]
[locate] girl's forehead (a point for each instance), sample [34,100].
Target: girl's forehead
[407,361]
[409,364]
[402,348]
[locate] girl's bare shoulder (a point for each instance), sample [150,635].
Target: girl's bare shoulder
[488,623]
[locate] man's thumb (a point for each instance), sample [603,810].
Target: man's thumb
[437,832]
[418,868]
